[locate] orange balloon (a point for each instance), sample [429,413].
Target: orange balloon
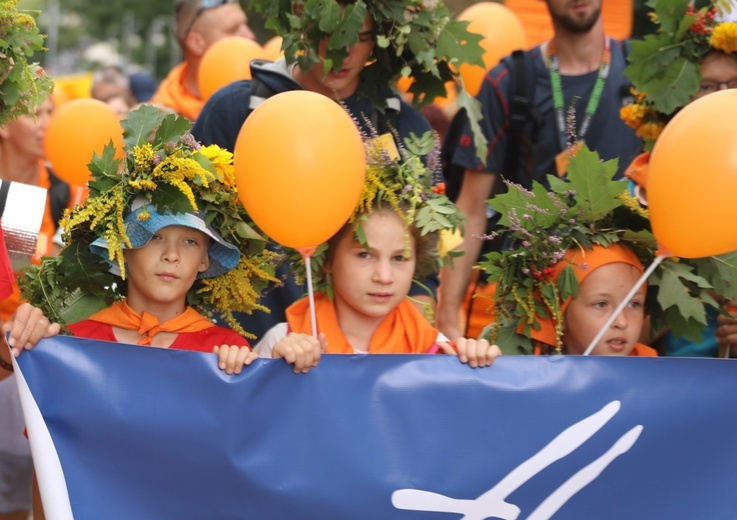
[502,32]
[272,49]
[692,181]
[226,61]
[76,131]
[299,165]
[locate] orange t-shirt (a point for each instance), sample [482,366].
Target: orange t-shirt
[173,93]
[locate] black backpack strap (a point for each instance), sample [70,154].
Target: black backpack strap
[4,188]
[387,123]
[522,111]
[59,194]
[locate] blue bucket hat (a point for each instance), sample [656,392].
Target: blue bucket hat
[223,255]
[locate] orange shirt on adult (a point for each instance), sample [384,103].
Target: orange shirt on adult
[173,93]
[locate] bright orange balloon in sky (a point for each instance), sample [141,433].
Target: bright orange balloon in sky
[692,182]
[299,165]
[226,61]
[76,131]
[502,32]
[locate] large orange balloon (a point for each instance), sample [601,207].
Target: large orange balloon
[77,130]
[502,32]
[299,165]
[692,182]
[226,61]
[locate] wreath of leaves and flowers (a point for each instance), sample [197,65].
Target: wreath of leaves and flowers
[165,165]
[665,67]
[413,189]
[22,84]
[587,208]
[414,38]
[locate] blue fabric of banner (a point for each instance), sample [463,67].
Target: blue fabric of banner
[156,434]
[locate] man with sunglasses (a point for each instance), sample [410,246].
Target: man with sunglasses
[198,24]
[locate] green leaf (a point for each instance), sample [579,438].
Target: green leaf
[464,46]
[649,58]
[670,13]
[172,128]
[167,196]
[473,110]
[591,179]
[567,283]
[140,124]
[672,292]
[674,88]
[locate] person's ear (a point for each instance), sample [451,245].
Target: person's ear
[205,264]
[195,43]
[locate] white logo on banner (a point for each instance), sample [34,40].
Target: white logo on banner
[493,504]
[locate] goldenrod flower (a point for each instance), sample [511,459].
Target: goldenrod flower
[143,158]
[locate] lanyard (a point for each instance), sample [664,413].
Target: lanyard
[558,104]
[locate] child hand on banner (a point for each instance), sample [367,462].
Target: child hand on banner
[727,332]
[369,279]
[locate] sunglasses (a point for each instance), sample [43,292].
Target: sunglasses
[207,4]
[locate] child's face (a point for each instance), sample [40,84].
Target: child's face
[371,282]
[344,82]
[162,271]
[718,72]
[599,294]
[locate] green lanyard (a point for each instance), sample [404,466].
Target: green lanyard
[558,103]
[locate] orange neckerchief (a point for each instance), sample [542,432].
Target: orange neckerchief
[173,93]
[404,330]
[120,314]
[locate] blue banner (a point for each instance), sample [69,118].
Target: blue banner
[158,434]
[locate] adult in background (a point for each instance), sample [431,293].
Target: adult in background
[579,69]
[198,24]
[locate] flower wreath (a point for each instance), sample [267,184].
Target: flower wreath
[665,67]
[586,209]
[164,165]
[22,84]
[414,190]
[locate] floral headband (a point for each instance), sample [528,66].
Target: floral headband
[665,67]
[163,168]
[586,210]
[399,180]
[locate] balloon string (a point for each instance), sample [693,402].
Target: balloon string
[310,291]
[658,259]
